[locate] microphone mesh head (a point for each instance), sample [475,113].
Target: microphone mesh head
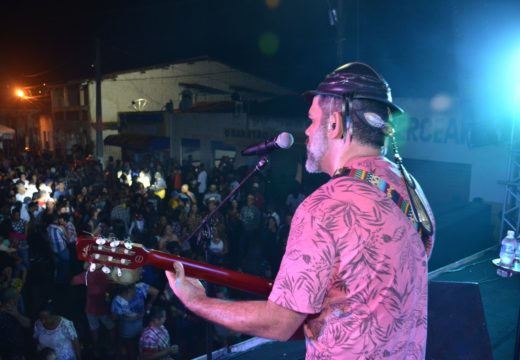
[285,140]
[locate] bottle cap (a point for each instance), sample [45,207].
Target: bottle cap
[510,234]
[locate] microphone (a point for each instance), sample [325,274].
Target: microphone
[283,141]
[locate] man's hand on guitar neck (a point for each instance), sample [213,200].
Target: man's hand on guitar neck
[257,318]
[187,289]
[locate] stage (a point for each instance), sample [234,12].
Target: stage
[494,312]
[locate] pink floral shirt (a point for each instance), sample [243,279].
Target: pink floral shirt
[358,267]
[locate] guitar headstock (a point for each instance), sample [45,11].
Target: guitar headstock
[110,253]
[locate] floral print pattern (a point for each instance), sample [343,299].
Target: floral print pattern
[355,264]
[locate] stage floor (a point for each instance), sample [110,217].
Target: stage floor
[500,299]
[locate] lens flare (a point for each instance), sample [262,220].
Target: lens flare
[269,43]
[272,4]
[441,103]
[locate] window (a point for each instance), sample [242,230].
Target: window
[190,151]
[73,95]
[219,150]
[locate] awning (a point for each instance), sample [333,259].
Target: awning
[6,133]
[138,142]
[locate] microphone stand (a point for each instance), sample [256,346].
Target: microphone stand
[205,224]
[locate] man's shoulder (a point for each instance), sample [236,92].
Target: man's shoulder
[336,193]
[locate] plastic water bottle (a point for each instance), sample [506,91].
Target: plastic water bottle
[516,264]
[508,249]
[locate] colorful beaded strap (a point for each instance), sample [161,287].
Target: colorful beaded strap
[390,193]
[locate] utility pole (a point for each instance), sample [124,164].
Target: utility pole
[99,120]
[336,20]
[340,33]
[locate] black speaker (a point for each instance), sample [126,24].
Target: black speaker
[456,324]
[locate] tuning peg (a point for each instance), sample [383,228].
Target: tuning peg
[126,251]
[115,243]
[110,258]
[119,272]
[97,256]
[123,261]
[100,241]
[128,245]
[113,249]
[105,269]
[92,267]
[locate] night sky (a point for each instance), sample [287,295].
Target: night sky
[422,48]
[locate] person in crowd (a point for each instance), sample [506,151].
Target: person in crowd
[177,176]
[343,271]
[21,192]
[58,239]
[258,194]
[139,230]
[154,342]
[47,354]
[121,211]
[129,308]
[168,237]
[187,196]
[218,247]
[217,219]
[58,333]
[144,178]
[46,187]
[13,326]
[31,187]
[294,199]
[93,222]
[70,229]
[234,184]
[234,230]
[59,190]
[19,236]
[46,216]
[96,305]
[269,243]
[251,218]
[158,227]
[202,181]
[190,223]
[212,193]
[283,233]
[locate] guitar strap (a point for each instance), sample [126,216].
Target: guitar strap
[390,193]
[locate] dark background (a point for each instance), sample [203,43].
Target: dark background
[420,47]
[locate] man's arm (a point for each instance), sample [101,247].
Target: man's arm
[258,318]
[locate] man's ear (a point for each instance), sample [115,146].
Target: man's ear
[335,126]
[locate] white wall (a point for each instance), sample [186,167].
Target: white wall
[159,85]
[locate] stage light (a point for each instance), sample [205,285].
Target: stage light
[516,79]
[503,76]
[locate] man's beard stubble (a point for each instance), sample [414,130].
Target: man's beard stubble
[316,149]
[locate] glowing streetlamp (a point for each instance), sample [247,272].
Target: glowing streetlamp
[20,93]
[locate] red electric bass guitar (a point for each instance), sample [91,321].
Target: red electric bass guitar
[115,255]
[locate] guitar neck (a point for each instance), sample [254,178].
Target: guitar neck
[213,274]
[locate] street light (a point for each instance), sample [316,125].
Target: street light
[20,93]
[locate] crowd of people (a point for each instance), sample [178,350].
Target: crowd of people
[52,306]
